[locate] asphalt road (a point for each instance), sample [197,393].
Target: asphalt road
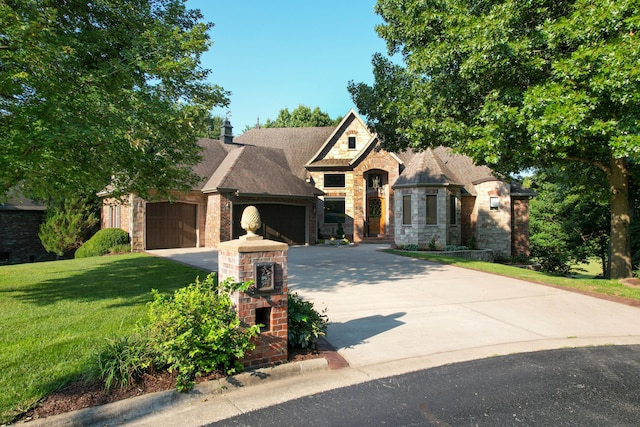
[593,386]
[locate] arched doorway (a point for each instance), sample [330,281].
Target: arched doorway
[376,202]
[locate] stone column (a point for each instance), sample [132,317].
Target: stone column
[265,262]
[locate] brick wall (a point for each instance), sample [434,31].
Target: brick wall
[520,226]
[19,241]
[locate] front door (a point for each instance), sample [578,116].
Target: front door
[375,216]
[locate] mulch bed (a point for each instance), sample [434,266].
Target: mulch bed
[80,395]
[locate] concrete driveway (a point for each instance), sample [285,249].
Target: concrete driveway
[398,314]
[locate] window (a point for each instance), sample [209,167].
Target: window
[432,209]
[333,180]
[352,143]
[494,203]
[114,216]
[453,217]
[406,210]
[334,211]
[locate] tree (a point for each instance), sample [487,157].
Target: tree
[568,218]
[68,225]
[514,84]
[301,117]
[101,93]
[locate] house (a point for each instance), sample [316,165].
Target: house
[307,181]
[20,220]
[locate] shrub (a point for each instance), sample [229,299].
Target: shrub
[197,331]
[102,242]
[66,227]
[432,245]
[340,231]
[120,249]
[121,361]
[409,247]
[306,324]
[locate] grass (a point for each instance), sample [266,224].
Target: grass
[56,314]
[591,285]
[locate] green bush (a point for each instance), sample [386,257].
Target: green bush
[66,227]
[306,324]
[102,242]
[121,361]
[197,331]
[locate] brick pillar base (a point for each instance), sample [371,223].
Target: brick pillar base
[266,303]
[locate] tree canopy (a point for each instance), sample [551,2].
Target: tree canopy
[107,92]
[301,117]
[514,84]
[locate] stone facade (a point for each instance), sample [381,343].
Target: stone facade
[443,232]
[237,260]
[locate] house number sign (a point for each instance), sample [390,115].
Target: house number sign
[264,276]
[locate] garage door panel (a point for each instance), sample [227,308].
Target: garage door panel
[283,223]
[171,225]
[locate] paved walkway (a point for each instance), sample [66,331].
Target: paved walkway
[398,314]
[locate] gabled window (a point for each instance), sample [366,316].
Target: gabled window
[406,210]
[352,143]
[334,180]
[432,209]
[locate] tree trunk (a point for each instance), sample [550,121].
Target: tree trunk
[620,220]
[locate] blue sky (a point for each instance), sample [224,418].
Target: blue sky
[281,54]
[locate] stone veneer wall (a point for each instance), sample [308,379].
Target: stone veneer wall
[493,228]
[236,259]
[419,232]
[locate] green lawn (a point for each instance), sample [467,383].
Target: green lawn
[54,315]
[599,286]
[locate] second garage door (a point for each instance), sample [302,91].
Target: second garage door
[283,223]
[171,225]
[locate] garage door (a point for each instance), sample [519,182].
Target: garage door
[283,223]
[171,225]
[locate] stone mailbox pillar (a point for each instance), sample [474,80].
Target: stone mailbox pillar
[265,262]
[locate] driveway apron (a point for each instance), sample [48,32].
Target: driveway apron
[387,309]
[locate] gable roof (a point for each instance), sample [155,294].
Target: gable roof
[319,159]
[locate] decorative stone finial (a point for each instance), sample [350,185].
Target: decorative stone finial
[250,222]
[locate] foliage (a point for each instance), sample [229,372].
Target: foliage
[101,93]
[514,84]
[340,231]
[432,244]
[197,330]
[65,228]
[102,242]
[568,219]
[122,361]
[55,316]
[305,323]
[301,117]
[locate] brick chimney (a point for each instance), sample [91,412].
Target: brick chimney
[226,132]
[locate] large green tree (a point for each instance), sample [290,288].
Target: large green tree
[301,117]
[107,92]
[514,84]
